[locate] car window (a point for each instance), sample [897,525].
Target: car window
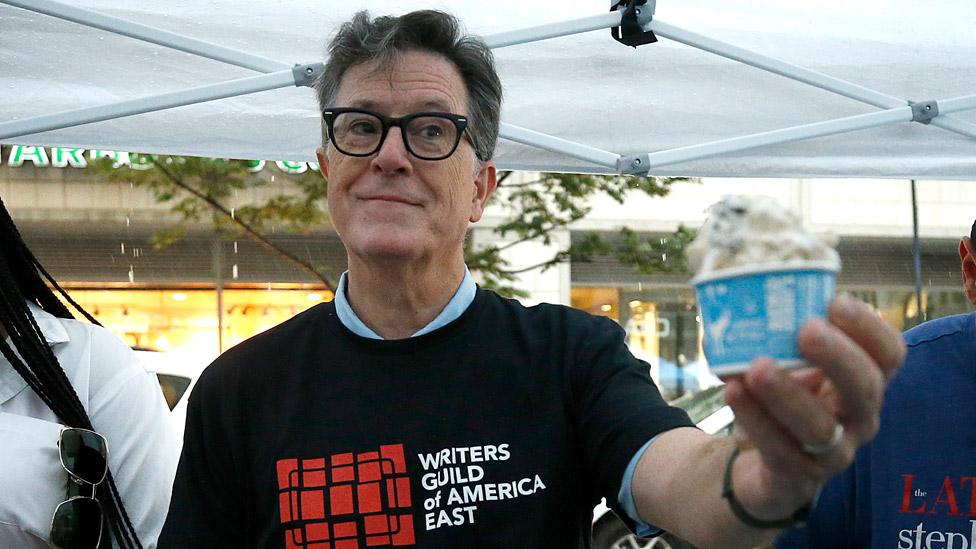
[173,387]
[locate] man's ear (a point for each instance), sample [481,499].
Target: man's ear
[323,162]
[967,260]
[485,181]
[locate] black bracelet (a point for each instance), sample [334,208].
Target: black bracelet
[799,517]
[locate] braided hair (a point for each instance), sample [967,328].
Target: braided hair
[20,281]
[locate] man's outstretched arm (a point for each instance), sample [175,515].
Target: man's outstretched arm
[678,483]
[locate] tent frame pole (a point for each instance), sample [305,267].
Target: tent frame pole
[548,142]
[722,49]
[150,34]
[795,133]
[897,110]
[99,113]
[798,73]
[553,30]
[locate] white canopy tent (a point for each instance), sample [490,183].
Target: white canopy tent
[590,103]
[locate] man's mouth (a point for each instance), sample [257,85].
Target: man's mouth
[390,198]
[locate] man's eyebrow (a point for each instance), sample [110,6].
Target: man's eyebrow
[437,105]
[363,104]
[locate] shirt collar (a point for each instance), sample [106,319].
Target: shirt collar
[54,333]
[50,325]
[462,299]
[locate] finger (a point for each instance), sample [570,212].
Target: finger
[857,381]
[810,378]
[882,343]
[780,452]
[801,414]
[815,381]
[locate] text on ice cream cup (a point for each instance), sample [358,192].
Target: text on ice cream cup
[754,311]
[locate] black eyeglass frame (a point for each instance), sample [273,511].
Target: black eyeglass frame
[387,122]
[76,483]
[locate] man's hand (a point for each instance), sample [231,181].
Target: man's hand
[798,428]
[791,440]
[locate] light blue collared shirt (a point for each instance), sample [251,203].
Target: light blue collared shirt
[455,308]
[462,299]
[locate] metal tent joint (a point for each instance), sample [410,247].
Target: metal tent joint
[637,164]
[306,75]
[924,111]
[637,15]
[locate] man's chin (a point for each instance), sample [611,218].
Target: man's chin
[390,248]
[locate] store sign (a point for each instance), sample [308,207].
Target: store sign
[58,157]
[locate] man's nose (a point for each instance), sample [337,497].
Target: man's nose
[393,155]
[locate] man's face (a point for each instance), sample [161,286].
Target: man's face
[392,205]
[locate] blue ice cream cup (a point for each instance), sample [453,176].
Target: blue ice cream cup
[757,310]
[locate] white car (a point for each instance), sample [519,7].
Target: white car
[177,373]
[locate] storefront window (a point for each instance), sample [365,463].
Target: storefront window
[187,319]
[900,308]
[597,301]
[251,311]
[663,329]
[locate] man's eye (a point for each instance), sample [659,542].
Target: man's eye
[363,127]
[431,131]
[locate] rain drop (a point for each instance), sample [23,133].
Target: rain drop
[234,271]
[664,257]
[235,246]
[272,178]
[127,221]
[132,275]
[123,248]
[269,286]
[232,216]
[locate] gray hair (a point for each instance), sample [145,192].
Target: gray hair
[383,39]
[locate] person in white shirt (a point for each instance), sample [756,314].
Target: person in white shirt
[58,373]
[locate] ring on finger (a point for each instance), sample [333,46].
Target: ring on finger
[817,450]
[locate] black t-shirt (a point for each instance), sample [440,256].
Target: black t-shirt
[502,429]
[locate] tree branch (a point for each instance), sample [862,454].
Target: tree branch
[544,265]
[248,230]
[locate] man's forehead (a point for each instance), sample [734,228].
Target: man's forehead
[419,104]
[415,81]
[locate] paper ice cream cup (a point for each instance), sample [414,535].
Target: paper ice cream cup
[754,311]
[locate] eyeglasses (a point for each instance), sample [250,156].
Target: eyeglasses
[426,135]
[78,521]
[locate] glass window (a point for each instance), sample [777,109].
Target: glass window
[597,301]
[187,319]
[663,329]
[251,311]
[173,387]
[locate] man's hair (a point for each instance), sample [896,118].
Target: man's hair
[972,233]
[384,39]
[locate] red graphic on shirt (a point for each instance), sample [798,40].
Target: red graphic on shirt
[346,501]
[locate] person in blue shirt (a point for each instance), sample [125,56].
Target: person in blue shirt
[914,486]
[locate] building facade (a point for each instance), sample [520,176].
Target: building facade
[208,292]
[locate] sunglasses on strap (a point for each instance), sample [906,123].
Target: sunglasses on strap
[78,521]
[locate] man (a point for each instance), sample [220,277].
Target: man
[419,410]
[914,486]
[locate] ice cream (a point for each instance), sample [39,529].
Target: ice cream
[754,230]
[759,277]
